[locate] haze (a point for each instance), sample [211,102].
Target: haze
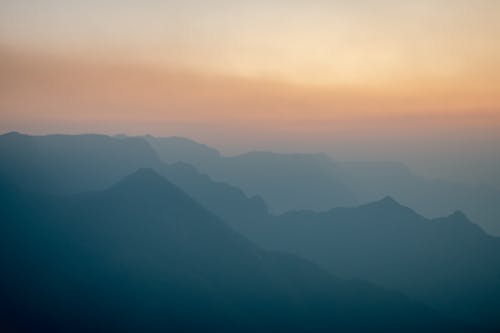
[379,80]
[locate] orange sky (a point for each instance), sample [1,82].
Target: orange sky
[67,94]
[264,74]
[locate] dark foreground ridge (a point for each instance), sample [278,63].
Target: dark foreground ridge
[143,256]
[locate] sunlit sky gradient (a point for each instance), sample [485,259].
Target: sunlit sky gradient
[417,81]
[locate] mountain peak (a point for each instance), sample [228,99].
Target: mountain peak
[459,220]
[143,180]
[387,202]
[458,215]
[388,206]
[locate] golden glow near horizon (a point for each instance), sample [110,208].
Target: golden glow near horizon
[357,68]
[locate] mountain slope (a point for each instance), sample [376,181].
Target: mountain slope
[67,164]
[449,263]
[177,149]
[313,181]
[143,256]
[71,163]
[360,246]
[371,181]
[284,181]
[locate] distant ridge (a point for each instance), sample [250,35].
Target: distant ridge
[338,183]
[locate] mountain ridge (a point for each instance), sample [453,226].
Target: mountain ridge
[355,183]
[163,262]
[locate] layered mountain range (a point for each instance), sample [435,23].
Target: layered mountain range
[96,228]
[317,182]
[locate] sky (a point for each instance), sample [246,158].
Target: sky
[415,81]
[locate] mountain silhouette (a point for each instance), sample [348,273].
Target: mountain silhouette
[372,180]
[65,164]
[284,181]
[178,149]
[315,182]
[143,256]
[71,163]
[449,263]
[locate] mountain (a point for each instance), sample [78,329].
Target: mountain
[284,181]
[314,235]
[143,256]
[448,263]
[315,182]
[69,164]
[373,180]
[178,149]
[224,200]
